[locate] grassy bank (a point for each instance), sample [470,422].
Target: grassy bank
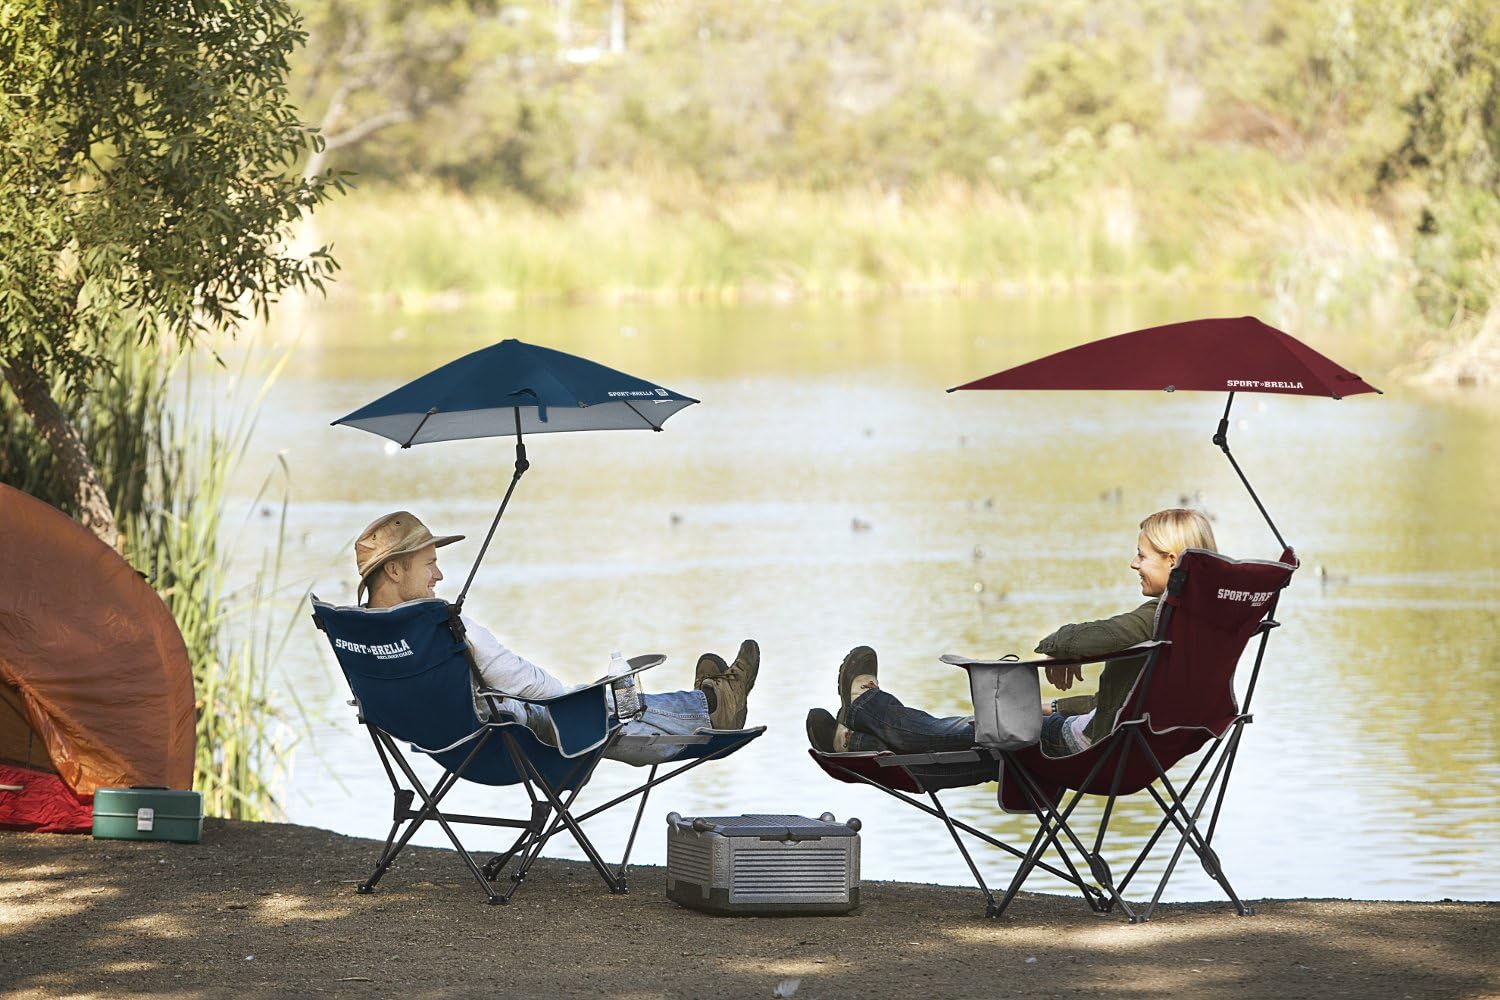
[671,242]
[1323,259]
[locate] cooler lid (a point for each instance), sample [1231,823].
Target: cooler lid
[773,827]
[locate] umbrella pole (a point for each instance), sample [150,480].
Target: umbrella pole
[1221,438]
[521,466]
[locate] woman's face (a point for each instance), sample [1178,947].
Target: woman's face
[1153,566]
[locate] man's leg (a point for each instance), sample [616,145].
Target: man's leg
[674,713]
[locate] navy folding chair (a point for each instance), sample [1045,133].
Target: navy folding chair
[410,668]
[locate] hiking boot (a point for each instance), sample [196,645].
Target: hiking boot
[857,674]
[822,729]
[709,665]
[732,688]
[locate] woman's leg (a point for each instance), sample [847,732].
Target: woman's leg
[1060,734]
[876,720]
[879,715]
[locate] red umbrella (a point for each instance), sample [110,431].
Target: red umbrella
[1223,355]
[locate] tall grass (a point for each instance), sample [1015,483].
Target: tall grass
[668,239]
[165,451]
[1321,259]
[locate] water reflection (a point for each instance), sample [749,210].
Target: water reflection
[827,493]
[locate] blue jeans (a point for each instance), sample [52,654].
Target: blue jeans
[673,713]
[878,721]
[1057,739]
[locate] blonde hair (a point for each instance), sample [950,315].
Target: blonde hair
[1176,528]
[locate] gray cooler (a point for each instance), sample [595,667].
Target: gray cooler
[763,865]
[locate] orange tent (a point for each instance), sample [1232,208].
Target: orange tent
[95,685]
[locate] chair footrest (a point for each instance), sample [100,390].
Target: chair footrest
[697,737]
[931,759]
[661,739]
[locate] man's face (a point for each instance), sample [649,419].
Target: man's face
[417,575]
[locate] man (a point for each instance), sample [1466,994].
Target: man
[397,561]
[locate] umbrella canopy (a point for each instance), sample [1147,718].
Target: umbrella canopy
[1218,355]
[513,388]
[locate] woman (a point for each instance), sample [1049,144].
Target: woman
[873,719]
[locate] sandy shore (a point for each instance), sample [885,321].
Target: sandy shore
[263,909]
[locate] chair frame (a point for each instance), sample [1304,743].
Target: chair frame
[551,802]
[1092,895]
[1053,828]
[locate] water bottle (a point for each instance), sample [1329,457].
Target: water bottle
[627,691]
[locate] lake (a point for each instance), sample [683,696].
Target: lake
[828,493]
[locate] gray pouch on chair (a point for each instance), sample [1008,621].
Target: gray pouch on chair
[1007,702]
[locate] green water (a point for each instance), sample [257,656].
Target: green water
[828,493]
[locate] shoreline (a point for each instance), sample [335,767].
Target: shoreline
[268,909]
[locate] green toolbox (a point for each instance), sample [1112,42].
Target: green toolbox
[148,814]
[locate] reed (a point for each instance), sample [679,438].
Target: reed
[1322,260]
[668,239]
[166,448]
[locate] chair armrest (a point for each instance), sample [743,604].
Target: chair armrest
[1139,649]
[638,664]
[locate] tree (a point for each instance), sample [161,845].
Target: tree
[374,64]
[148,172]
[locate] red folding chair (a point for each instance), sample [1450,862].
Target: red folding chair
[1182,700]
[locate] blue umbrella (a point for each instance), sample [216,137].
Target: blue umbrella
[514,388]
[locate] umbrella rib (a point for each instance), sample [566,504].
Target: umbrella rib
[641,415]
[556,379]
[1286,349]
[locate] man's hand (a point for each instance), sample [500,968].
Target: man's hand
[1062,676]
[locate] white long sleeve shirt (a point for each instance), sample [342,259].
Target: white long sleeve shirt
[505,670]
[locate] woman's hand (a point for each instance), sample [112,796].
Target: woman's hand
[1062,676]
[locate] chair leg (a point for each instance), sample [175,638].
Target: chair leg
[990,909]
[1053,823]
[430,808]
[639,812]
[614,884]
[543,811]
[1050,824]
[1161,827]
[1071,876]
[644,789]
[652,782]
[1191,836]
[540,812]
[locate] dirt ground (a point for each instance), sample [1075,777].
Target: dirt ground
[264,909]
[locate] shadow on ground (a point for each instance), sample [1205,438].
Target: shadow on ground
[270,910]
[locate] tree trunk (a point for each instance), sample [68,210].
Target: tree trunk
[94,509]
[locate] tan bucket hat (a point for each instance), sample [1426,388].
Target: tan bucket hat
[391,535]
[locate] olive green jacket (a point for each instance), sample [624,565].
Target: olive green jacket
[1092,639]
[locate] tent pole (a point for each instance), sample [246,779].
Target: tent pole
[1221,438]
[521,466]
